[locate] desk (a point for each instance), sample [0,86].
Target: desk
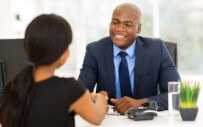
[162,120]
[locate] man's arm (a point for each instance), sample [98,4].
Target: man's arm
[88,72]
[167,72]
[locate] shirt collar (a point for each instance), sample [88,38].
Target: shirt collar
[130,50]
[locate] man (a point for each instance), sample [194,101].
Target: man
[128,67]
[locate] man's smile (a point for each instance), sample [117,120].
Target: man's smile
[117,36]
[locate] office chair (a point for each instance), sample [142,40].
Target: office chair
[12,58]
[173,50]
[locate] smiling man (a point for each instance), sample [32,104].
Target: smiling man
[125,25]
[128,67]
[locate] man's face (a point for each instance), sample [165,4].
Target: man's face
[124,27]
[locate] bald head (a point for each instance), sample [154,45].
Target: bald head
[125,25]
[131,7]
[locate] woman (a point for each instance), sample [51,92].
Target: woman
[37,98]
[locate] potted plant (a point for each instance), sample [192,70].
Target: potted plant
[189,93]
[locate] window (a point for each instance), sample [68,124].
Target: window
[178,21]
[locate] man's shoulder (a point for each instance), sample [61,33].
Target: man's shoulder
[150,41]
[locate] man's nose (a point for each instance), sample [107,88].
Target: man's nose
[120,27]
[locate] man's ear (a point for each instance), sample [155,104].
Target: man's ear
[139,28]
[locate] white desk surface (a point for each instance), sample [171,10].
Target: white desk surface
[162,120]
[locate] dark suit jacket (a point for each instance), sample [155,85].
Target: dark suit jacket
[153,66]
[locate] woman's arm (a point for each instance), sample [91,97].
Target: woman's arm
[92,112]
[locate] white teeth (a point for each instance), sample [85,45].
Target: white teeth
[119,36]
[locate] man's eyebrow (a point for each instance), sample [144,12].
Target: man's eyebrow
[115,19]
[128,21]
[124,21]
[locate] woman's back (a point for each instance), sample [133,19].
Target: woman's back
[35,97]
[51,102]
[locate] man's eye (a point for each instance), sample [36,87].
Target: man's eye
[115,23]
[128,25]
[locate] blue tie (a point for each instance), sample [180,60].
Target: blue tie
[124,77]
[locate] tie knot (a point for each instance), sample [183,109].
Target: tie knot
[123,54]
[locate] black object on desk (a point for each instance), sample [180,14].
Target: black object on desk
[146,112]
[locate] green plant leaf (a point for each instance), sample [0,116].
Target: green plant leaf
[188,94]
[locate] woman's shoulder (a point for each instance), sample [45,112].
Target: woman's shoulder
[65,79]
[70,82]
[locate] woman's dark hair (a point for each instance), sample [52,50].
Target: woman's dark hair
[46,38]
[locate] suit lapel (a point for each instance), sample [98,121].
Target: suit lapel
[140,54]
[108,51]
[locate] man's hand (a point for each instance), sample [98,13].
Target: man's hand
[93,95]
[123,104]
[104,93]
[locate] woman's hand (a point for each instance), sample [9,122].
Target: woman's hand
[101,95]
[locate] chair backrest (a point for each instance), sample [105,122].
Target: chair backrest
[12,58]
[173,50]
